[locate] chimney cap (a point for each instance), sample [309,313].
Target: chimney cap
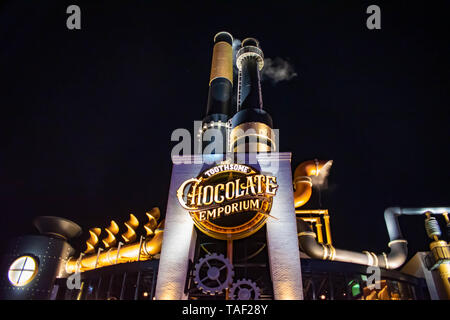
[250,42]
[57,227]
[223,36]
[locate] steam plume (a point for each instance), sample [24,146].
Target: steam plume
[277,70]
[321,181]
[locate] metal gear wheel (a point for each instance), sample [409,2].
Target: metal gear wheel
[213,273]
[244,290]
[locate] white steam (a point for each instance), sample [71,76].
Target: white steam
[236,46]
[321,181]
[277,70]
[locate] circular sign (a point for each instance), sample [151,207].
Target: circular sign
[228,201]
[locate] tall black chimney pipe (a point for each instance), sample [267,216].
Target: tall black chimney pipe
[218,109]
[251,125]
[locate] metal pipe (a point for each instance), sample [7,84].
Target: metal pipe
[327,228]
[230,257]
[141,239]
[315,250]
[318,224]
[444,273]
[319,230]
[302,179]
[152,291]
[118,251]
[80,292]
[126,253]
[391,217]
[122,289]
[98,255]
[220,94]
[250,61]
[396,257]
[138,282]
[323,213]
[251,126]
[98,288]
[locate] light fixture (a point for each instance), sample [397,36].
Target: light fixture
[22,271]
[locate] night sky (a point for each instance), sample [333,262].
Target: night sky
[87,114]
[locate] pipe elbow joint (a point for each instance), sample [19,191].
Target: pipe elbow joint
[307,241]
[309,245]
[303,182]
[398,254]
[392,212]
[303,191]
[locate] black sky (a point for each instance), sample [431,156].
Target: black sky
[87,115]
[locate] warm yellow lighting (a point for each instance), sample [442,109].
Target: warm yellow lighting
[92,242]
[303,182]
[22,271]
[127,253]
[152,223]
[323,214]
[112,230]
[131,225]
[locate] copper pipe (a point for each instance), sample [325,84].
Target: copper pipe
[444,272]
[302,181]
[326,218]
[127,253]
[80,293]
[319,231]
[317,222]
[312,211]
[445,214]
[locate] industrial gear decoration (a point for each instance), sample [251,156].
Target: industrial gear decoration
[244,290]
[213,273]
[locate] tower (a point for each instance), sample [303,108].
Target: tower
[219,105]
[233,194]
[251,125]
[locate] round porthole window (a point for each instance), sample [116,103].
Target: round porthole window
[22,271]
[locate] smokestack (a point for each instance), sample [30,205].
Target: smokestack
[251,125]
[218,109]
[250,61]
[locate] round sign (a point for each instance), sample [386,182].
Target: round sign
[228,201]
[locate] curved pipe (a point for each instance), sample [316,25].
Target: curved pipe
[302,181]
[399,246]
[391,217]
[127,253]
[315,250]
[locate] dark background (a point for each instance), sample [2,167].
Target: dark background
[87,115]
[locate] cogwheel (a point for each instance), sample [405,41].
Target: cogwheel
[244,290]
[213,273]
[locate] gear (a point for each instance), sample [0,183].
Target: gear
[244,290]
[213,273]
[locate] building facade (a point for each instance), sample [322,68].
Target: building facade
[235,226]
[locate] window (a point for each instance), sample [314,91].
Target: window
[22,271]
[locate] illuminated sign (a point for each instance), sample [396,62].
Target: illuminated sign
[228,201]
